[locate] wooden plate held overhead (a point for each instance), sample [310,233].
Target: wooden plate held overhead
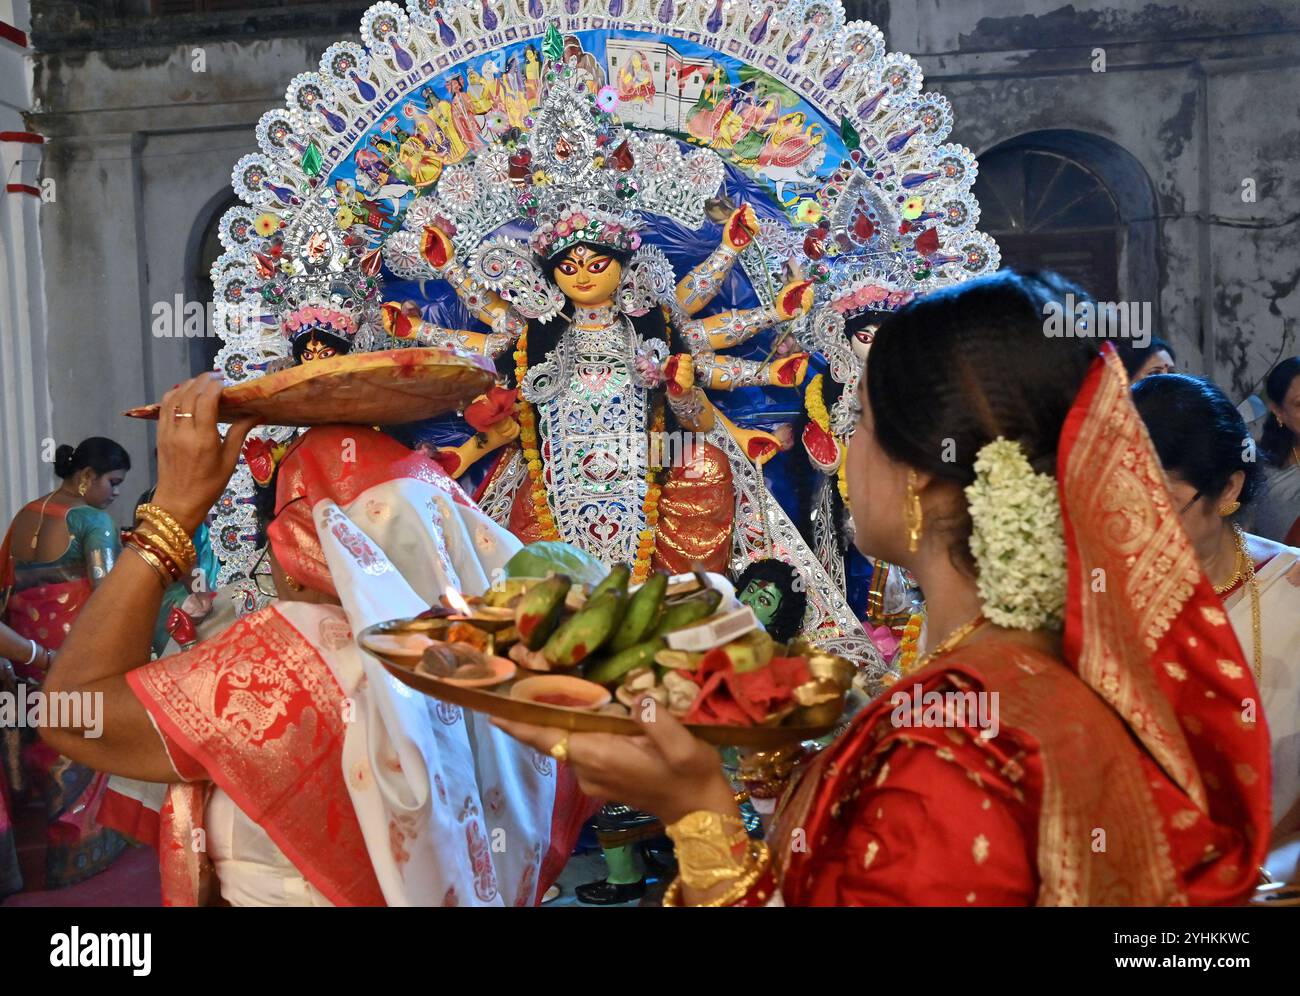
[388,387]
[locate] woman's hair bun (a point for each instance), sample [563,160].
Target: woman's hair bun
[63,460]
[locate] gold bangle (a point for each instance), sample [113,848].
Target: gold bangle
[163,532]
[759,858]
[181,558]
[163,523]
[154,564]
[706,844]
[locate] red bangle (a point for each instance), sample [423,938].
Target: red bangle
[137,540]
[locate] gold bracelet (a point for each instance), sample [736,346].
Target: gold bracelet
[154,563]
[162,522]
[759,858]
[166,544]
[706,844]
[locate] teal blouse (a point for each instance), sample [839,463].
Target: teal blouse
[93,546]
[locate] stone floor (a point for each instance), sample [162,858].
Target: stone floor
[133,881]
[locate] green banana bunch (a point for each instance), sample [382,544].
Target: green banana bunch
[585,632]
[642,614]
[689,610]
[610,670]
[539,610]
[615,580]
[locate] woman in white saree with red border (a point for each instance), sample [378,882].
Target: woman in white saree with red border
[314,777]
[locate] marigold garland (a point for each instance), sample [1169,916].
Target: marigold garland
[814,403]
[909,646]
[536,478]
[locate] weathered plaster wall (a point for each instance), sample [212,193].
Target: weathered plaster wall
[1203,94]
[141,149]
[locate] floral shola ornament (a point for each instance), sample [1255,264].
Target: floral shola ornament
[652,249]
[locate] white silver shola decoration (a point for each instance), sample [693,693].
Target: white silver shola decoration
[896,216]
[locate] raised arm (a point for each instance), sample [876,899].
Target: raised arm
[485,305]
[404,321]
[701,285]
[731,328]
[113,631]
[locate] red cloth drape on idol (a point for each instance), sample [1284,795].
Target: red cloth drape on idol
[1126,774]
[375,795]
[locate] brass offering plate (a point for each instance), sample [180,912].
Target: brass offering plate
[496,701]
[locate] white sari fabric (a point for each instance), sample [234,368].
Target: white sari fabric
[1277,509]
[453,811]
[1279,611]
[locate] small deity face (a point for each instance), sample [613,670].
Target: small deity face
[588,276]
[764,598]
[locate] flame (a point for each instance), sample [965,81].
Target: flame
[455,601]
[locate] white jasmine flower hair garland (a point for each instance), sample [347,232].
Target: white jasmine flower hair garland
[1017,539]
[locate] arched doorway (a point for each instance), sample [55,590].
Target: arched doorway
[204,248]
[1075,203]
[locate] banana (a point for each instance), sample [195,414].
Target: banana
[615,580]
[677,660]
[582,635]
[611,669]
[505,592]
[689,611]
[539,610]
[642,613]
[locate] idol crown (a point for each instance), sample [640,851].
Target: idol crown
[576,225]
[319,317]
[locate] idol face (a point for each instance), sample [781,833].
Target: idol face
[588,276]
[764,598]
[317,350]
[860,341]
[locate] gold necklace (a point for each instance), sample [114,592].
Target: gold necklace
[1252,589]
[1239,568]
[36,536]
[948,643]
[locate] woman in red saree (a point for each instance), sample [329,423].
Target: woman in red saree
[312,776]
[57,549]
[1120,766]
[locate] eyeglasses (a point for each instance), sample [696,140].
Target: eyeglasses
[1195,498]
[261,573]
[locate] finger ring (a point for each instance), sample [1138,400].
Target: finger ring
[177,413]
[561,749]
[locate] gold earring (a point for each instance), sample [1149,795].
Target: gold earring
[912,513]
[82,488]
[1229,508]
[291,584]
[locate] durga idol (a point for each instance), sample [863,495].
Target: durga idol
[609,358]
